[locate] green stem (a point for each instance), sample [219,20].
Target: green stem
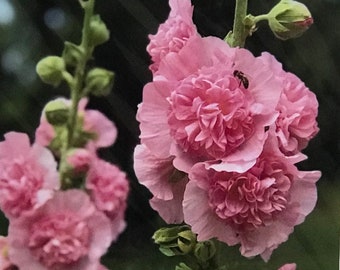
[259,18]
[76,86]
[80,69]
[239,34]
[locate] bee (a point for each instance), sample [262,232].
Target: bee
[243,79]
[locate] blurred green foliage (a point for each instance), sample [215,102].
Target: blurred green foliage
[30,30]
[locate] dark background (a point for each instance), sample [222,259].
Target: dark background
[30,30]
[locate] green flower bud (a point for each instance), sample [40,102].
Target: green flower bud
[289,19]
[56,112]
[50,70]
[72,53]
[178,240]
[204,251]
[182,266]
[99,33]
[99,81]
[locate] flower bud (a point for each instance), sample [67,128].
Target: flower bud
[178,240]
[79,160]
[204,251]
[289,19]
[99,81]
[72,53]
[50,70]
[56,112]
[99,33]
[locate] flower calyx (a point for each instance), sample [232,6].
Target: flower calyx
[50,70]
[72,53]
[289,19]
[99,82]
[56,112]
[178,240]
[99,33]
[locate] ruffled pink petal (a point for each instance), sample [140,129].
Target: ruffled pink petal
[152,115]
[154,172]
[106,131]
[171,210]
[73,205]
[199,216]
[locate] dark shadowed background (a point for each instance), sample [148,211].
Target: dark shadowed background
[30,30]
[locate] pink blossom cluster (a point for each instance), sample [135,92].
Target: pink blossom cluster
[54,228]
[221,133]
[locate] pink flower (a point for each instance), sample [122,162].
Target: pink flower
[5,263]
[288,266]
[101,267]
[163,180]
[28,175]
[198,108]
[68,232]
[109,188]
[173,34]
[93,126]
[80,159]
[298,108]
[257,208]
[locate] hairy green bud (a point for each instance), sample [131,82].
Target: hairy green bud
[50,69]
[72,53]
[99,33]
[178,240]
[99,81]
[204,251]
[289,19]
[56,112]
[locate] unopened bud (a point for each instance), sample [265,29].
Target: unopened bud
[56,112]
[289,19]
[99,33]
[50,70]
[72,53]
[99,81]
[178,240]
[204,251]
[79,160]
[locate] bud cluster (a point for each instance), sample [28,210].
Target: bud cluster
[55,69]
[180,240]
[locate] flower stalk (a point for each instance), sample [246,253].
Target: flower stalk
[239,34]
[76,84]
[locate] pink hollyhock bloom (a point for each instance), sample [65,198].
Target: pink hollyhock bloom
[211,102]
[165,182]
[5,263]
[28,175]
[298,108]
[92,121]
[68,232]
[80,159]
[109,188]
[257,208]
[288,266]
[173,34]
[101,267]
